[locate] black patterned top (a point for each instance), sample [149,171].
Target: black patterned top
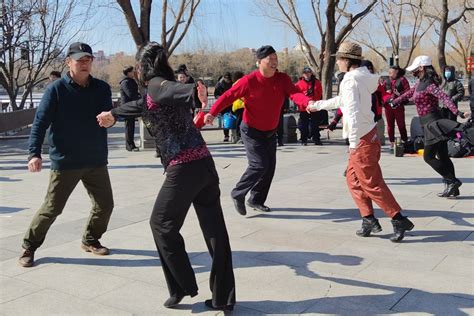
[166,114]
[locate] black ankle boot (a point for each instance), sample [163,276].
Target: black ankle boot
[452,188]
[369,225]
[442,194]
[400,226]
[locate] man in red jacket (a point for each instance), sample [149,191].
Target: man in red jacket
[263,91]
[311,87]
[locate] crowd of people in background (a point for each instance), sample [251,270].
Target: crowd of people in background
[170,99]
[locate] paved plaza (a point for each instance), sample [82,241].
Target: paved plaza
[302,258]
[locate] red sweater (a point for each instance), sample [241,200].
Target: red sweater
[304,86]
[263,99]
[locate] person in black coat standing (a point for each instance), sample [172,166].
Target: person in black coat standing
[454,89]
[129,92]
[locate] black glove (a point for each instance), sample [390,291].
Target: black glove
[332,126]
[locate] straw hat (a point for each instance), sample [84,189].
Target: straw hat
[349,50]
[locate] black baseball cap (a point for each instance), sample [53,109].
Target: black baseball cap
[77,50]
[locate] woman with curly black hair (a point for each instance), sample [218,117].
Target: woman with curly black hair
[191,178]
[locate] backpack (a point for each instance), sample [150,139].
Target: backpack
[409,147]
[418,143]
[458,148]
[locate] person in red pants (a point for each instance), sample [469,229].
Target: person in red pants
[395,86]
[364,176]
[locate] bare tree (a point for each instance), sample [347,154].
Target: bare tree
[445,21]
[462,42]
[339,23]
[33,36]
[171,34]
[399,20]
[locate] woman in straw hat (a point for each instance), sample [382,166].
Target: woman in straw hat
[364,176]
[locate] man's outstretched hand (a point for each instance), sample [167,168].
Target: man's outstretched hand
[105,119]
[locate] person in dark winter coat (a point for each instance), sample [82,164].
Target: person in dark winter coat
[224,84]
[129,92]
[191,178]
[77,152]
[453,88]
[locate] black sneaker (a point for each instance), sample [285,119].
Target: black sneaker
[240,206]
[259,207]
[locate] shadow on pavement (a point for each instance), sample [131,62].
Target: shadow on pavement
[295,260]
[369,304]
[421,181]
[8,210]
[401,299]
[7,179]
[347,215]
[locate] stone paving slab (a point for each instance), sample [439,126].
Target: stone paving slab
[302,258]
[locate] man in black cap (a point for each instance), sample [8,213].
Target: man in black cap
[264,92]
[78,151]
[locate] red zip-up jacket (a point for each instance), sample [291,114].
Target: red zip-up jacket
[305,86]
[263,99]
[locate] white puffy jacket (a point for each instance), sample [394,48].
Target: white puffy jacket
[355,101]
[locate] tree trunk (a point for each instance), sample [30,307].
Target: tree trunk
[12,101]
[441,48]
[443,29]
[330,48]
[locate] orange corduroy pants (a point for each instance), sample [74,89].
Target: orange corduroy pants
[364,178]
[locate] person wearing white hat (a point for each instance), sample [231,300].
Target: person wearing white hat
[426,94]
[364,176]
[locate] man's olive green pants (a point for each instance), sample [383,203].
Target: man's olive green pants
[61,184]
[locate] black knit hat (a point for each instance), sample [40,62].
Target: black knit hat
[264,51]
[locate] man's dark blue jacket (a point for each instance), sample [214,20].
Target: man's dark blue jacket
[76,140]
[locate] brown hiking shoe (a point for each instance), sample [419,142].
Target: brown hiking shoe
[96,249]
[27,258]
